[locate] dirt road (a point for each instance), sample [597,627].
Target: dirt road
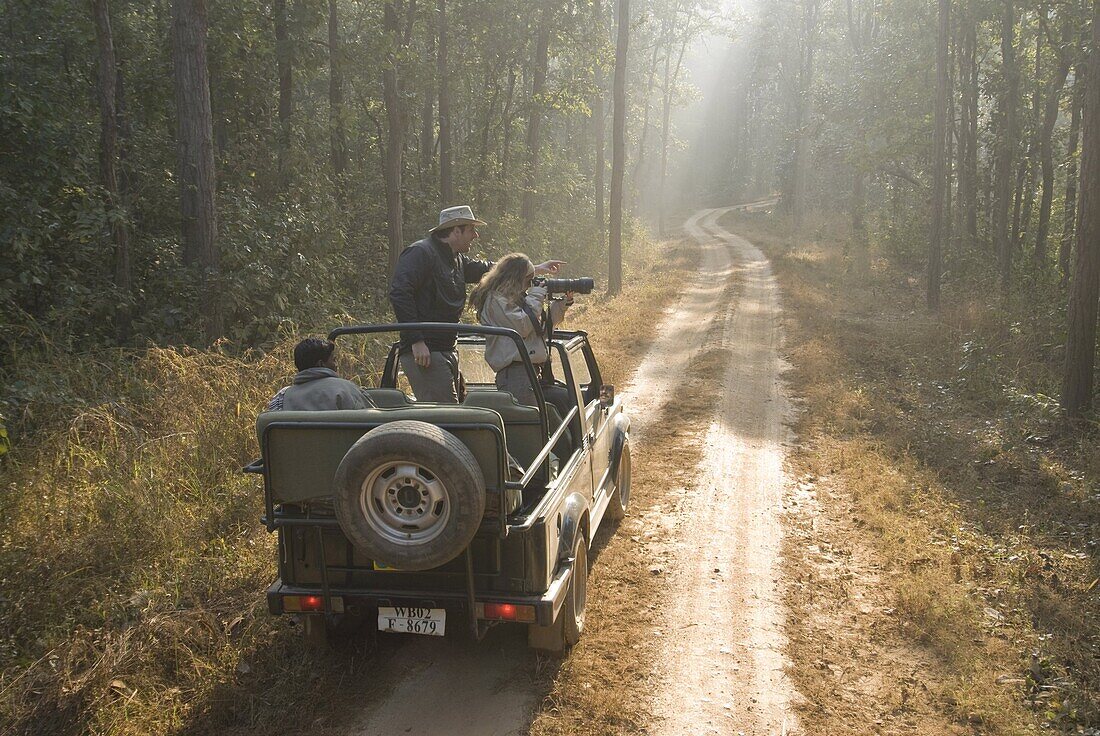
[724,642]
[721,668]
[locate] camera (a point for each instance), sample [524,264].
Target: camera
[561,286]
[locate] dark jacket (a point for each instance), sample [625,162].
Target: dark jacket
[429,285]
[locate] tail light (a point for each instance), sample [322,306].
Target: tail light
[311,604]
[506,612]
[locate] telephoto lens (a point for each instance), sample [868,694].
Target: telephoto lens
[561,286]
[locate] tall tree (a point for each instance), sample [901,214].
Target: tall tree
[618,150]
[1069,218]
[1046,149]
[395,127]
[446,182]
[195,145]
[939,158]
[968,138]
[108,158]
[534,119]
[1084,299]
[807,47]
[285,62]
[599,128]
[337,137]
[1005,144]
[671,80]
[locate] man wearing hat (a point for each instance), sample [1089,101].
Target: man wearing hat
[429,285]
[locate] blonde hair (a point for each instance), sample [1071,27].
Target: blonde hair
[508,276]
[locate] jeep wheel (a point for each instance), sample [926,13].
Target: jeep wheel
[410,495]
[566,630]
[620,497]
[575,605]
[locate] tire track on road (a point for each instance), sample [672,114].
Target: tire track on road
[723,664]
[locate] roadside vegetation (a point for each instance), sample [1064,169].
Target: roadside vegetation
[950,484]
[133,561]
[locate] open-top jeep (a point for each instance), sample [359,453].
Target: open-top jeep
[424,516]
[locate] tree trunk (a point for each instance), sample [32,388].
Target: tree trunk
[284,59]
[1027,168]
[599,127]
[486,134]
[618,151]
[968,169]
[446,184]
[108,161]
[666,127]
[1065,250]
[426,146]
[651,80]
[394,136]
[800,175]
[939,159]
[338,138]
[1077,386]
[950,135]
[196,153]
[1006,146]
[506,143]
[1046,155]
[534,120]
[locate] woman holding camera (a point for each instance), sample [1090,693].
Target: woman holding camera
[507,297]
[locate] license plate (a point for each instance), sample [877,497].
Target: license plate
[408,620]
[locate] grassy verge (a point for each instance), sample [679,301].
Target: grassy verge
[132,561]
[939,461]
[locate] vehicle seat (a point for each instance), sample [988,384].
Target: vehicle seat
[560,398]
[386,398]
[521,424]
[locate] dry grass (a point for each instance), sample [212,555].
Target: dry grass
[132,562]
[966,519]
[622,327]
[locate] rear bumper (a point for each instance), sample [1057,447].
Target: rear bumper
[546,605]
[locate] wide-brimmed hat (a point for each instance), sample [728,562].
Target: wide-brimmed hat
[454,216]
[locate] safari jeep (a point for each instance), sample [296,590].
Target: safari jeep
[432,518]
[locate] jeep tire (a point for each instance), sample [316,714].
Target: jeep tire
[410,495]
[620,496]
[567,628]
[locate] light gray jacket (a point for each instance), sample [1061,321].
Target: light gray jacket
[318,389]
[500,311]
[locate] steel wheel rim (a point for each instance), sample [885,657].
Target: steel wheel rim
[405,503]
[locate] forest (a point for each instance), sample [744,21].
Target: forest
[174,173]
[181,173]
[962,152]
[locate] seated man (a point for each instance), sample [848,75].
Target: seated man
[316,387]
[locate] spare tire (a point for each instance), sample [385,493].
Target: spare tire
[410,495]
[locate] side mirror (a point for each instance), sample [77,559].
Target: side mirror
[607,396]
